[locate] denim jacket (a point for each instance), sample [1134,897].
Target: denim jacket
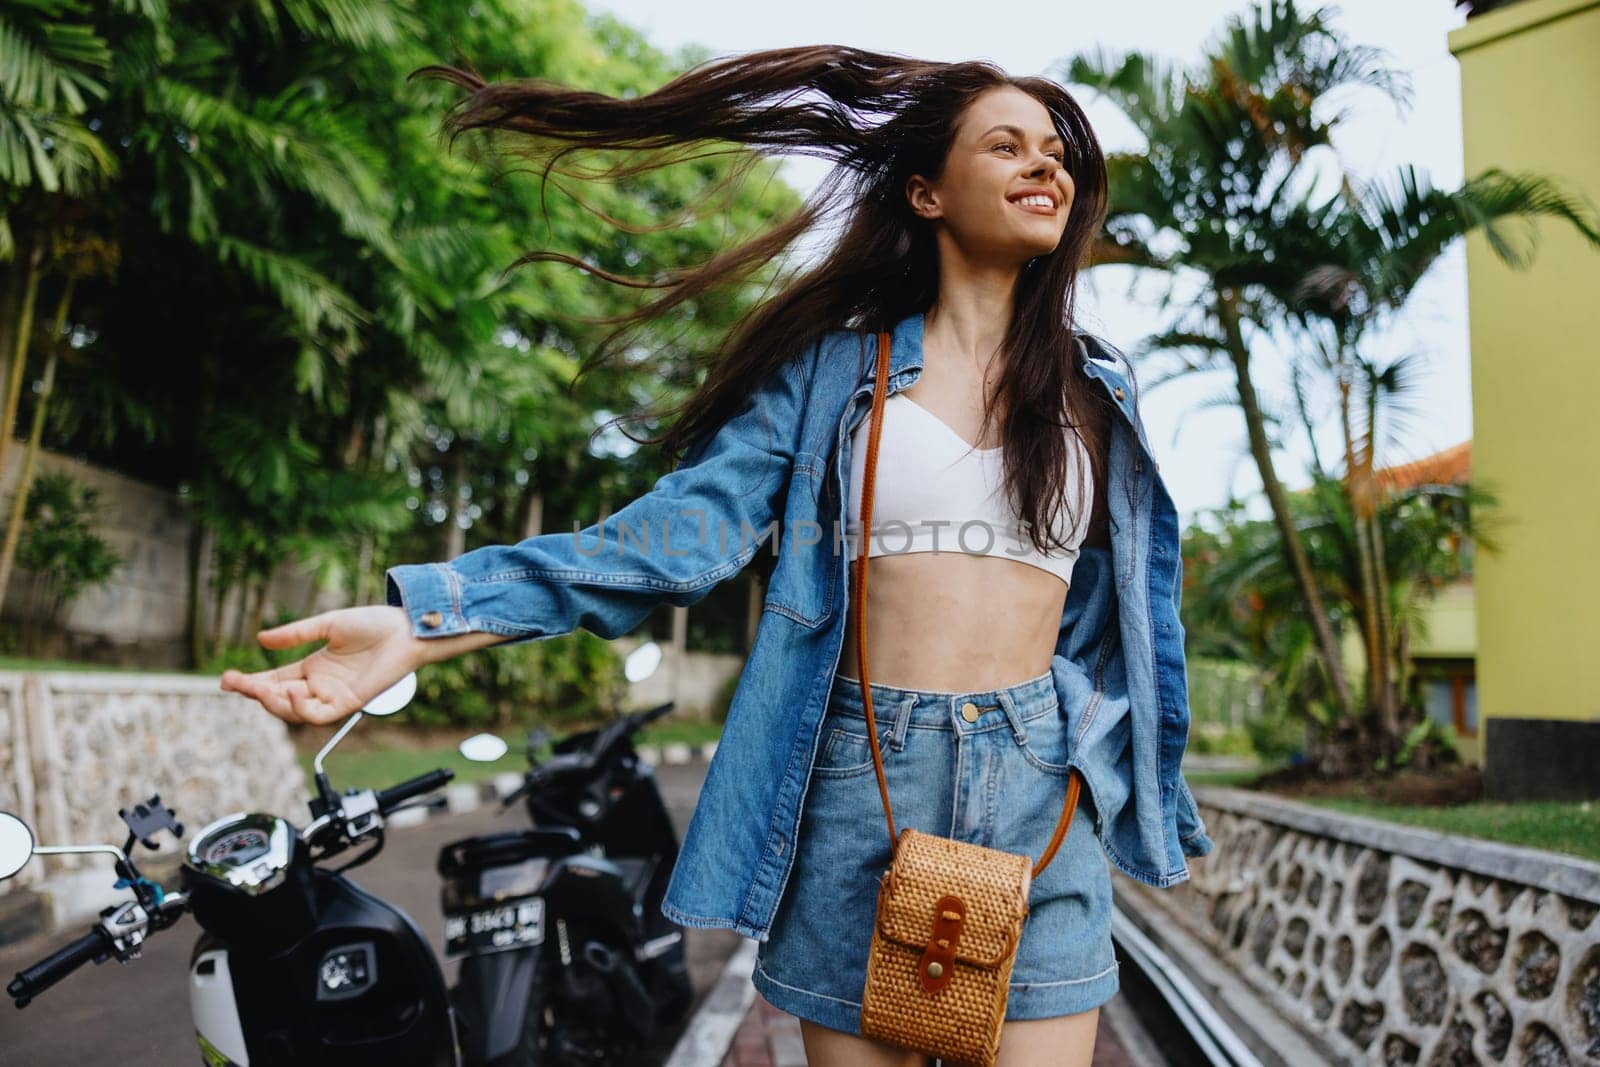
[773,478]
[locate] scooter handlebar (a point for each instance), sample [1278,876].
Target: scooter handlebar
[394,796]
[32,981]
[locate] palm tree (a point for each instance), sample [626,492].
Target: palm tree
[1349,269]
[1219,203]
[52,64]
[1225,145]
[78,254]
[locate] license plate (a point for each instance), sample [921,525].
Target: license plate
[498,928]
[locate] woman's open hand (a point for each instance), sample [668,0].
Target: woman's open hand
[368,649]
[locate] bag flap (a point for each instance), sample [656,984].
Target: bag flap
[991,883]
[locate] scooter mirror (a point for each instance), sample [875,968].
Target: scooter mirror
[16,844]
[642,662]
[483,748]
[393,698]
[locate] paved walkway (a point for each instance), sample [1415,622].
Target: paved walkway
[770,1037]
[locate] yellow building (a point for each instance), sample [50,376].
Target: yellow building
[1530,85]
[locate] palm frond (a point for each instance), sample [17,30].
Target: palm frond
[48,64]
[314,301]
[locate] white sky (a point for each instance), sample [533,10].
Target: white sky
[1201,449]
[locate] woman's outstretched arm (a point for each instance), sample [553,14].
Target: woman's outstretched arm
[698,525]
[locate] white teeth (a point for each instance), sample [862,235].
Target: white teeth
[1039,201]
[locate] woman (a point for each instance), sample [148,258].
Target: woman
[1040,635]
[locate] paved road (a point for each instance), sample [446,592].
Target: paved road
[138,1015]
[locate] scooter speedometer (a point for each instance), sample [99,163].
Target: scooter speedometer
[246,852]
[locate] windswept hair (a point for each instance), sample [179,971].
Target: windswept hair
[881,118]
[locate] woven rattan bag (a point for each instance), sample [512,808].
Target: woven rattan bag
[950,913]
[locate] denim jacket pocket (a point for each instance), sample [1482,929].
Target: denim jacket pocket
[805,580]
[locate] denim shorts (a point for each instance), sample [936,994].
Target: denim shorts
[1000,781]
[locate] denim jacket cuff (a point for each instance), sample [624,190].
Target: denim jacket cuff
[429,593]
[438,601]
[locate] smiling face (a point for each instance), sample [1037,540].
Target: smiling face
[1004,196]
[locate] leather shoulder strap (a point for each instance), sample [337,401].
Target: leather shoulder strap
[858,608]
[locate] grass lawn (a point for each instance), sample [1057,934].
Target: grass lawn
[1443,802]
[1570,826]
[380,768]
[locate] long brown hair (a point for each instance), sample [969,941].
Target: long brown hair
[880,117]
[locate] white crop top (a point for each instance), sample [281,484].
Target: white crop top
[935,492]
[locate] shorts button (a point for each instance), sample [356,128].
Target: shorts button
[432,618]
[969,711]
[1119,392]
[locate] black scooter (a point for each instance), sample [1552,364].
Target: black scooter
[566,957]
[296,964]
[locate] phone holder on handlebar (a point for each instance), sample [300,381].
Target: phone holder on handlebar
[148,819]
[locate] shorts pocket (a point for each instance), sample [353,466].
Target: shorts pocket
[846,751]
[1048,747]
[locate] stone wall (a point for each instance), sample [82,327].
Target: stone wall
[1401,945]
[77,746]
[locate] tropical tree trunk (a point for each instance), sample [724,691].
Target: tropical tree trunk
[369,538]
[25,478]
[1357,487]
[533,523]
[260,610]
[455,538]
[1393,649]
[1294,549]
[13,276]
[19,348]
[196,599]
[1388,704]
[219,599]
[241,619]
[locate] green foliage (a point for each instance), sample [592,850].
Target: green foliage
[247,658]
[1241,602]
[1211,740]
[1277,736]
[346,368]
[1221,691]
[58,544]
[1427,738]
[554,681]
[1227,188]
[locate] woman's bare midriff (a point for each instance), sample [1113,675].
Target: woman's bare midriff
[961,622]
[954,621]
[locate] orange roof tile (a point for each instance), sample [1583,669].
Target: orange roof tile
[1453,466]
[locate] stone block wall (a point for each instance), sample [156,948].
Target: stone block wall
[77,746]
[1401,946]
